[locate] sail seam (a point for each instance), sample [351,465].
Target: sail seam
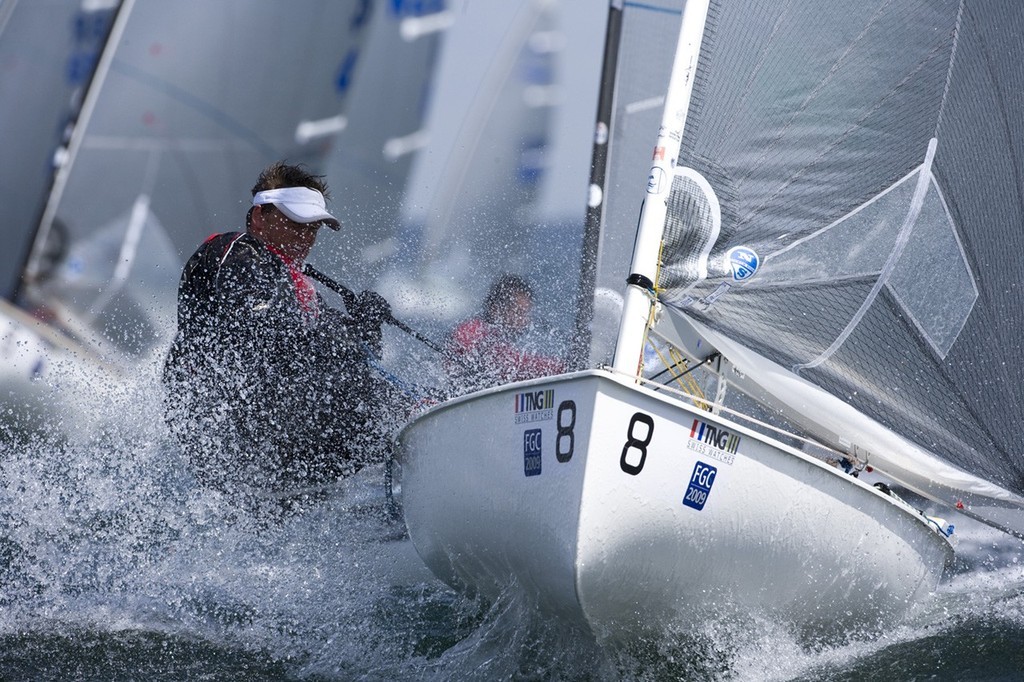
[836,143]
[814,92]
[923,182]
[949,69]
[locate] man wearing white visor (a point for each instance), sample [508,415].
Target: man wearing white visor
[270,392]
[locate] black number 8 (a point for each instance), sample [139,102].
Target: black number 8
[632,442]
[565,431]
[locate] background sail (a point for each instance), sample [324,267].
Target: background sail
[48,49]
[380,132]
[189,101]
[501,184]
[469,208]
[871,156]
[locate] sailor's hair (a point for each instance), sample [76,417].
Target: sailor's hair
[502,291]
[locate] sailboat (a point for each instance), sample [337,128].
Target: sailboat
[815,333]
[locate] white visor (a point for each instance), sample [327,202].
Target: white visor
[301,204]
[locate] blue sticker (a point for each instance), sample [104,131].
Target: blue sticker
[743,262]
[531,452]
[701,480]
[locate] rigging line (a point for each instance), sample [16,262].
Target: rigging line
[800,109]
[711,358]
[691,382]
[678,358]
[408,388]
[652,309]
[669,366]
[190,100]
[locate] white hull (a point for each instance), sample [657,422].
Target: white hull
[765,529]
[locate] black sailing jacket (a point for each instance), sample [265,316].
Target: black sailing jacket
[261,393]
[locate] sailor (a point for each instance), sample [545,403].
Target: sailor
[488,349]
[269,391]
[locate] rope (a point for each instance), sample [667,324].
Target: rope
[680,377]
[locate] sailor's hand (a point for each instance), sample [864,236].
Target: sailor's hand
[371,310]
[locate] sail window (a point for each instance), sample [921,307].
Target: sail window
[913,263]
[934,261]
[692,225]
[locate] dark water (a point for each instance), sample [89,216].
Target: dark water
[113,566]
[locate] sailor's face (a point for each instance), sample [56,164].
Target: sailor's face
[292,238]
[516,315]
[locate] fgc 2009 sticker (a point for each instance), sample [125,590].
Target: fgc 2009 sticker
[531,452]
[701,480]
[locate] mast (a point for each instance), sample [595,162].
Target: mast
[644,268]
[598,177]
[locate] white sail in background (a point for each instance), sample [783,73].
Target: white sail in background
[380,133]
[190,100]
[48,49]
[472,196]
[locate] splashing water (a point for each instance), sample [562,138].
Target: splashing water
[114,564]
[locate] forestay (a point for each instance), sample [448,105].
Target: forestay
[847,191]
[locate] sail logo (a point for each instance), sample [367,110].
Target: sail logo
[656,180]
[743,261]
[416,8]
[713,441]
[534,406]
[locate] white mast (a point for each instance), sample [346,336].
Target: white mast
[643,271]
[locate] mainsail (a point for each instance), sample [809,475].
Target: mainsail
[845,196]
